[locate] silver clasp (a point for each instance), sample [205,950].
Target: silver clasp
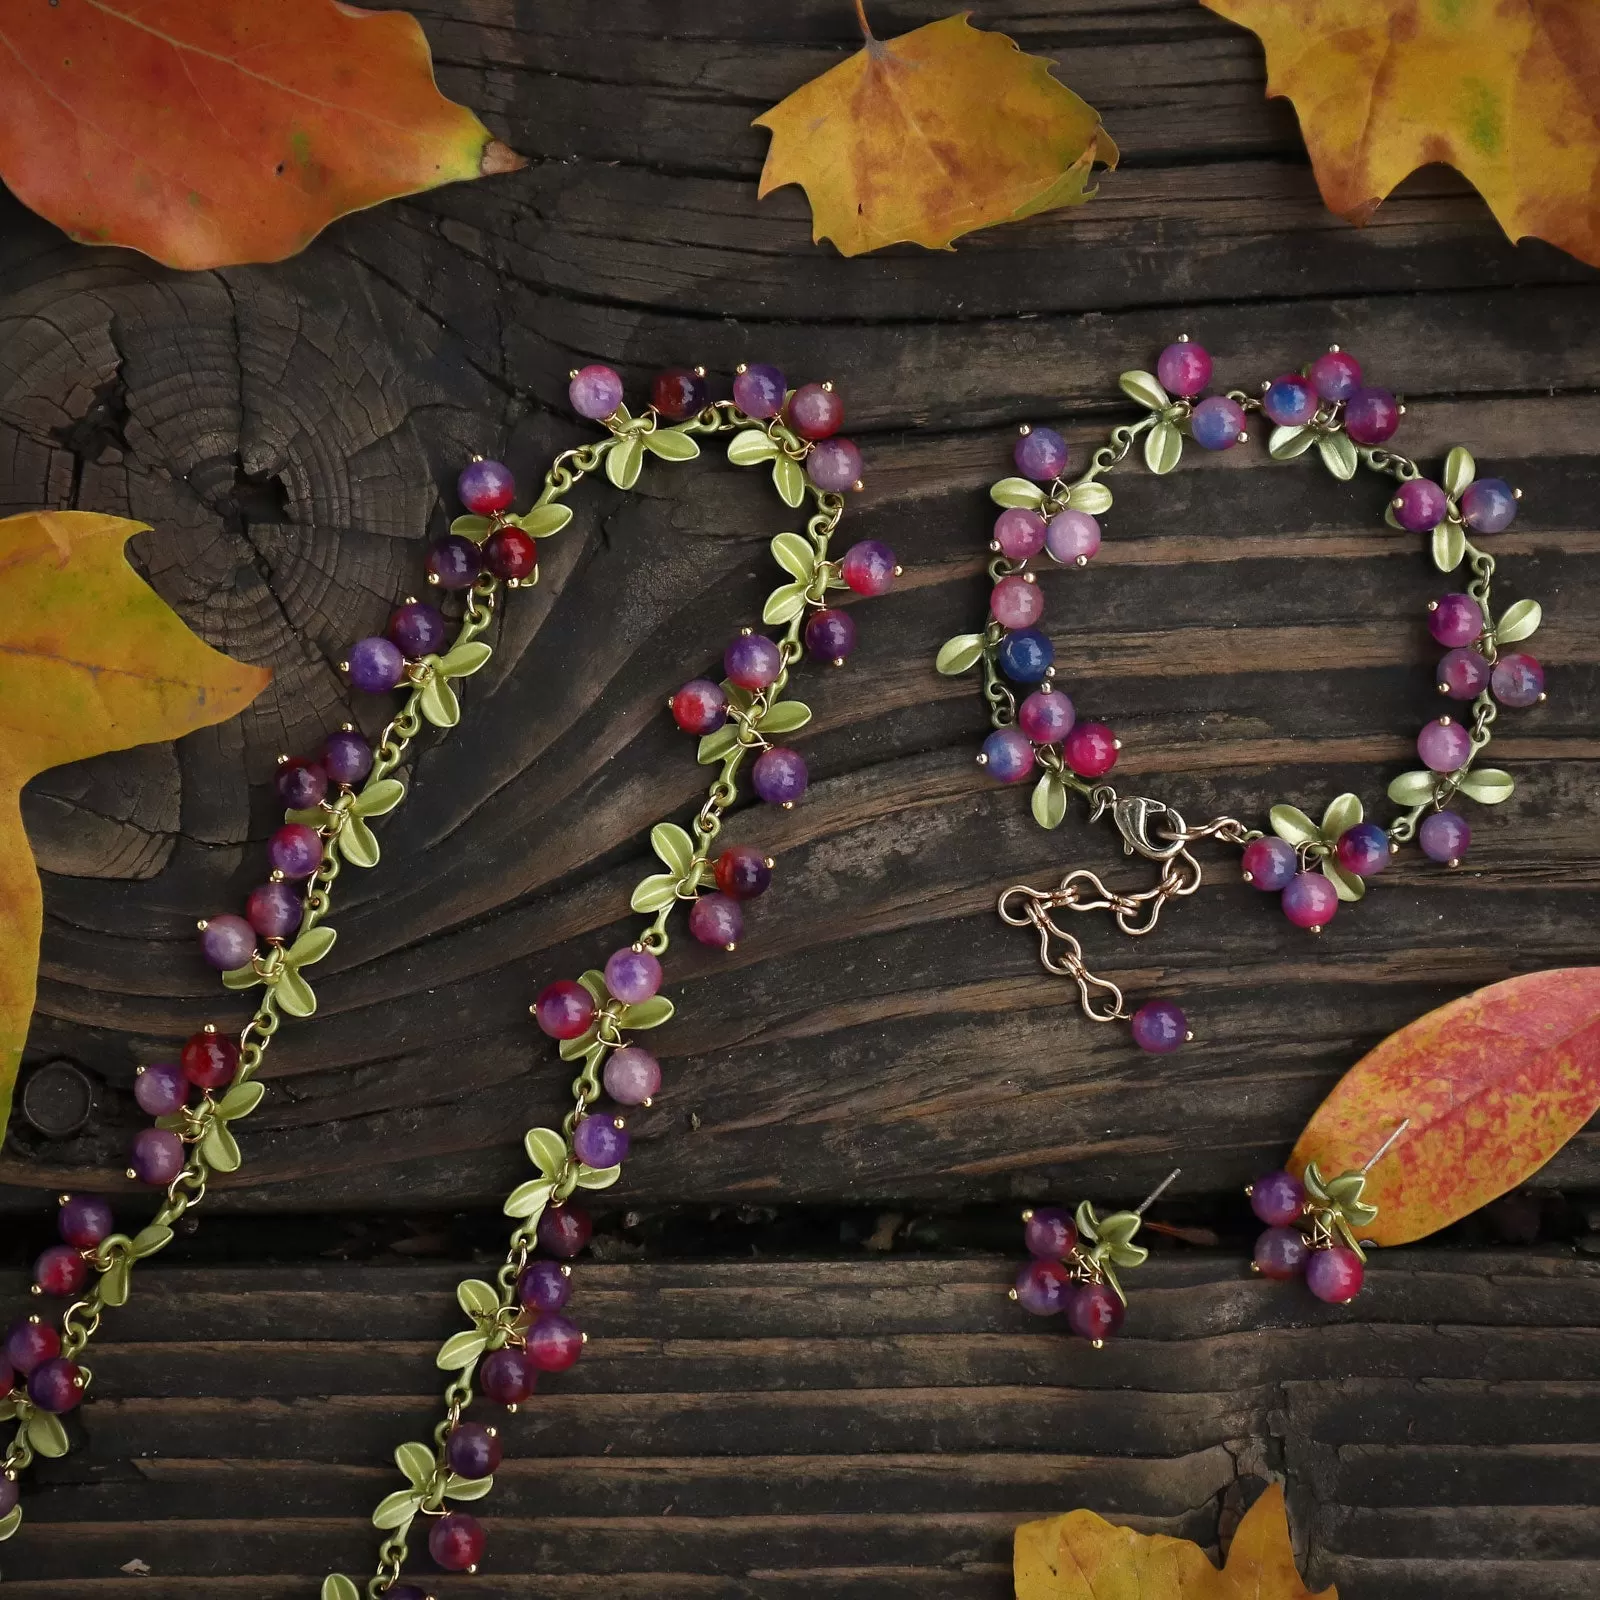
[1136,817]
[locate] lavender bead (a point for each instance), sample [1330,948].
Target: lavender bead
[779,776]
[1043,1287]
[375,665]
[632,1075]
[1217,423]
[1445,837]
[632,976]
[1277,1199]
[453,562]
[157,1156]
[227,942]
[1184,369]
[599,1142]
[1007,755]
[1371,416]
[1016,603]
[716,919]
[274,910]
[1363,849]
[160,1088]
[595,392]
[1419,505]
[1290,401]
[1517,680]
[485,487]
[1336,375]
[759,389]
[1073,538]
[830,636]
[417,628]
[1269,864]
[1046,716]
[1041,454]
[544,1286]
[1444,745]
[1281,1253]
[752,661]
[834,465]
[295,850]
[1463,674]
[1020,533]
[1489,505]
[1160,1027]
[1455,619]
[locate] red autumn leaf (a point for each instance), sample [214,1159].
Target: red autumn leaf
[1493,1084]
[211,132]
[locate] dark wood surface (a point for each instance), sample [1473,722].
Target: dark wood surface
[1252,631]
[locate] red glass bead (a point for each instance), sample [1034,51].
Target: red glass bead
[1090,749]
[510,554]
[30,1343]
[1049,1233]
[504,1377]
[564,1009]
[210,1060]
[815,411]
[743,872]
[680,393]
[1281,1253]
[553,1342]
[700,706]
[1095,1312]
[56,1385]
[83,1220]
[1335,1274]
[564,1230]
[61,1270]
[456,1541]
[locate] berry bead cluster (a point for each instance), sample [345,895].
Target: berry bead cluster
[1312,1230]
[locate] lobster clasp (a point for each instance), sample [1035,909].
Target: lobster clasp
[1137,817]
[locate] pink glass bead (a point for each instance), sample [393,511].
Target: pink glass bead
[1489,505]
[743,872]
[752,661]
[210,1060]
[1336,375]
[470,1451]
[160,1088]
[1019,533]
[758,391]
[56,1385]
[1419,505]
[1309,900]
[564,1230]
[600,1141]
[1160,1027]
[815,411]
[1290,401]
[1335,1274]
[1007,755]
[553,1343]
[274,910]
[1217,423]
[779,776]
[157,1156]
[1444,837]
[504,1377]
[456,1541]
[1455,619]
[834,465]
[485,487]
[1016,603]
[716,920]
[1269,863]
[227,942]
[295,850]
[595,392]
[1095,1312]
[1463,674]
[300,784]
[1517,679]
[1371,416]
[1444,745]
[346,756]
[1184,369]
[632,1076]
[1042,1287]
[60,1270]
[1281,1253]
[700,706]
[1046,716]
[564,1009]
[30,1343]
[544,1286]
[84,1220]
[1041,454]
[1049,1234]
[1090,749]
[1277,1199]
[679,393]
[868,567]
[1363,849]
[830,636]
[633,976]
[1073,538]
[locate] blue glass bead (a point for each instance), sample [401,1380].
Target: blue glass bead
[1041,454]
[1026,655]
[1290,401]
[1488,505]
[1363,849]
[1216,423]
[1007,755]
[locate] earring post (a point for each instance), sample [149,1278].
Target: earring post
[1156,1193]
[1383,1149]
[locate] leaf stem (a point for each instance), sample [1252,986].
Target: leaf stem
[866,27]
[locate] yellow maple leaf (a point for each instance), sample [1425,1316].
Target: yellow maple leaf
[91,659]
[1506,91]
[928,136]
[1081,1556]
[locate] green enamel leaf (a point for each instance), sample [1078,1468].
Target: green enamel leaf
[749,446]
[1144,389]
[1519,622]
[114,1282]
[338,1587]
[959,654]
[1391,518]
[240,1101]
[219,1149]
[598,1177]
[789,481]
[396,1510]
[12,1520]
[1344,812]
[1449,546]
[784,604]
[46,1434]
[241,978]
[357,843]
[1050,801]
[784,717]
[1487,785]
[739,699]
[528,1199]
[464,659]
[438,703]
[649,1013]
[1338,455]
[795,555]
[1091,498]
[713,747]
[1293,826]
[1163,448]
[379,798]
[542,521]
[1088,1222]
[311,817]
[1284,444]
[1413,788]
[623,461]
[477,1299]
[571,1049]
[1017,492]
[547,1150]
[1346,884]
[1459,471]
[595,982]
[671,444]
[294,995]
[1119,1227]
[673,845]
[416,1462]
[1129,1255]
[473,528]
[459,1488]
[460,1350]
[311,946]
[148,1240]
[1108,1272]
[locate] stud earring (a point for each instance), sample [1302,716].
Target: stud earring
[1074,1264]
[1314,1225]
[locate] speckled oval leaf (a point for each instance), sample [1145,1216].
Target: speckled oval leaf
[1494,1084]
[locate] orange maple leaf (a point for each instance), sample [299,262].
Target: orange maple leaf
[1506,91]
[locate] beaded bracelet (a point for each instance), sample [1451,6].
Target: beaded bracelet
[1313,865]
[332,800]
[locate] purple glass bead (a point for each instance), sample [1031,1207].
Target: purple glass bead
[834,465]
[779,776]
[759,389]
[504,1377]
[1363,849]
[453,562]
[595,392]
[1160,1027]
[1269,863]
[55,1385]
[868,567]
[375,664]
[60,1271]
[1336,375]
[1290,401]
[417,628]
[632,1075]
[274,910]
[1016,603]
[1026,655]
[1463,674]
[564,1230]
[1041,454]
[544,1286]
[1094,1312]
[295,850]
[1277,1199]
[599,1141]
[815,411]
[156,1157]
[1455,619]
[1371,416]
[1335,1274]
[553,1343]
[227,942]
[1444,745]
[564,1009]
[1281,1253]
[300,784]
[1043,1287]
[830,636]
[1049,1233]
[752,661]
[470,1451]
[30,1343]
[1489,505]
[679,393]
[1217,423]
[1184,369]
[1444,837]
[1517,680]
[743,871]
[346,756]
[1019,533]
[1419,505]
[160,1088]
[633,976]
[1073,538]
[84,1220]
[1310,901]
[1007,755]
[1046,716]
[716,919]
[485,487]
[700,706]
